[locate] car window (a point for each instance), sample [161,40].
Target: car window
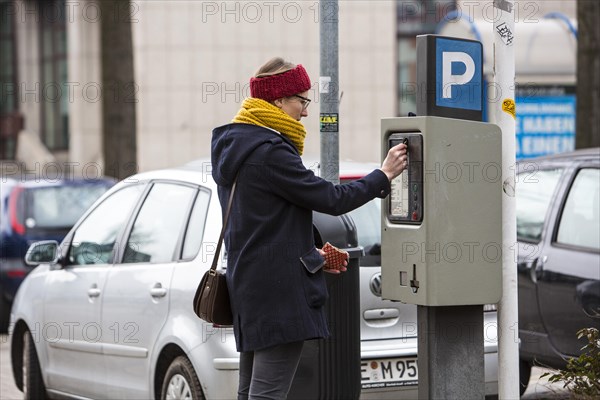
[61,206]
[95,237]
[534,191]
[581,214]
[195,229]
[159,224]
[368,227]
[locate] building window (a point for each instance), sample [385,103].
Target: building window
[8,81]
[53,62]
[407,75]
[7,59]
[417,17]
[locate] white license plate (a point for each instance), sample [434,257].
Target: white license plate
[389,372]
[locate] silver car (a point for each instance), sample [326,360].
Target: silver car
[107,314]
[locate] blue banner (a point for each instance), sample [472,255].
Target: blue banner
[545,125]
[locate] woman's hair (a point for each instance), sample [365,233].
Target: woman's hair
[274,66]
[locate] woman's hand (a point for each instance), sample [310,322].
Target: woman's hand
[333,270]
[395,162]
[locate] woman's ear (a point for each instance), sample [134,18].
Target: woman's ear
[278,103]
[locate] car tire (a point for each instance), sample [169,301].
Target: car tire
[181,382]
[33,383]
[524,375]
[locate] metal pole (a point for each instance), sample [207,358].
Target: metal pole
[329,91]
[505,113]
[451,353]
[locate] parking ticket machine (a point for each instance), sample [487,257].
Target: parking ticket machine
[442,223]
[441,239]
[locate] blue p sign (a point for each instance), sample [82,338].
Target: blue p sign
[450,77]
[458,74]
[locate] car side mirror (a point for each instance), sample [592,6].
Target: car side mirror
[43,252]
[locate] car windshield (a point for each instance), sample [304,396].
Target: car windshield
[61,206]
[368,225]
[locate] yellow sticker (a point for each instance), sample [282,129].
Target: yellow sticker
[329,118]
[509,106]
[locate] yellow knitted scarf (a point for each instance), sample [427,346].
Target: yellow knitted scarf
[262,113]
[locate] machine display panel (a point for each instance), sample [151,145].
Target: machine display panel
[405,203]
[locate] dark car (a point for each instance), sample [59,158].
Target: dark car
[37,210]
[558,230]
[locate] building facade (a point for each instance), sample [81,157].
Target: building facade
[192,63]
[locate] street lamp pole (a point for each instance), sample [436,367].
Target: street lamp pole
[505,114]
[329,91]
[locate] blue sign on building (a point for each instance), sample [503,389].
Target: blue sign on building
[545,122]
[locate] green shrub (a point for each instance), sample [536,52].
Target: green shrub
[581,376]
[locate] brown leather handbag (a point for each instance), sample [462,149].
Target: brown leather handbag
[211,302]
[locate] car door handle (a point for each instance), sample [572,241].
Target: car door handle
[382,313]
[158,291]
[94,292]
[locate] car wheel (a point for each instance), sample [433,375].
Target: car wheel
[33,384]
[524,375]
[181,382]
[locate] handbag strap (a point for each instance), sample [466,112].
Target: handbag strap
[218,251]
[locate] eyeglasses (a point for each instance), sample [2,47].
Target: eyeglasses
[305,101]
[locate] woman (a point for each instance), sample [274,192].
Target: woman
[274,272]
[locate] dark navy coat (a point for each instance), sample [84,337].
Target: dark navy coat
[274,271]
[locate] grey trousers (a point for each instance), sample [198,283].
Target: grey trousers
[268,373]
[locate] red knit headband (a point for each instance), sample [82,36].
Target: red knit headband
[281,85]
